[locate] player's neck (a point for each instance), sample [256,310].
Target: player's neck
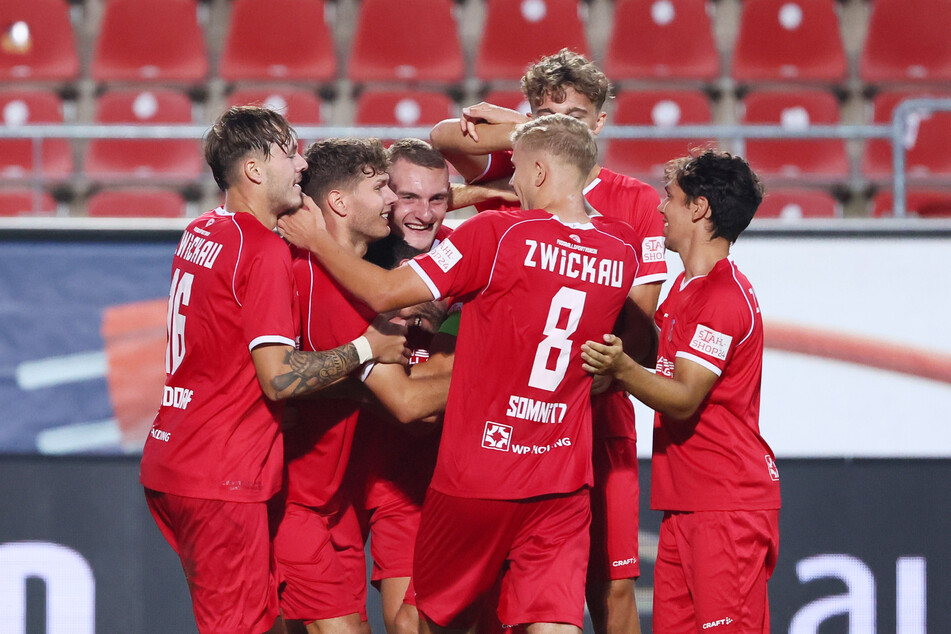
[593,174]
[701,255]
[237,201]
[569,208]
[342,235]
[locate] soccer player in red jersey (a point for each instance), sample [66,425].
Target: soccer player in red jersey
[319,545]
[478,144]
[213,459]
[390,468]
[509,495]
[712,473]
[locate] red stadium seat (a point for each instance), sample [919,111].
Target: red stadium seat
[789,40]
[519,32]
[299,106]
[144,158]
[665,109]
[150,40]
[20,202]
[138,203]
[513,99]
[403,108]
[920,203]
[818,160]
[299,45]
[907,42]
[19,107]
[402,54]
[794,204]
[37,42]
[927,142]
[662,39]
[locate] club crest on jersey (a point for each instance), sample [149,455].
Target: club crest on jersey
[496,436]
[710,342]
[446,255]
[653,250]
[575,238]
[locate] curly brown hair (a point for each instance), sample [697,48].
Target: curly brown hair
[340,163]
[553,74]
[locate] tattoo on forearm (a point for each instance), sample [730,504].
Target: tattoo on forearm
[311,371]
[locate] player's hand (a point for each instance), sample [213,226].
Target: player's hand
[487,113]
[300,227]
[388,342]
[603,358]
[601,383]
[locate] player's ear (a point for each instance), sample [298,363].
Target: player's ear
[599,123]
[700,208]
[541,173]
[337,202]
[253,168]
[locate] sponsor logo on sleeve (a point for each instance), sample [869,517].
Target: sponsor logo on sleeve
[446,255]
[496,436]
[772,468]
[652,249]
[710,342]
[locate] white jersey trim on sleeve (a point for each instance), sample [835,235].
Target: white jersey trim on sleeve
[701,361]
[649,279]
[365,370]
[426,279]
[257,341]
[488,164]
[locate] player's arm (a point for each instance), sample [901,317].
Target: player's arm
[381,289]
[636,326]
[464,195]
[467,141]
[284,371]
[677,397]
[408,398]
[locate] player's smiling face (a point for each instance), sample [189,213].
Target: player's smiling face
[369,207]
[575,105]
[284,167]
[422,201]
[677,216]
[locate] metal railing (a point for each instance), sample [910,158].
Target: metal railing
[893,132]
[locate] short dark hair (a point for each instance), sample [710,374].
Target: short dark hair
[729,184]
[417,152]
[339,163]
[561,136]
[390,251]
[242,130]
[553,74]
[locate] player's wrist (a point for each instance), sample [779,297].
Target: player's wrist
[363,348]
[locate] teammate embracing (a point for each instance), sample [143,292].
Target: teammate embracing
[509,496]
[479,146]
[713,475]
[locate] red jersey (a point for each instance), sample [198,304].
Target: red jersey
[717,460]
[517,424]
[317,444]
[216,435]
[387,462]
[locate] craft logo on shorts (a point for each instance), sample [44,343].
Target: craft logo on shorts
[772,468]
[709,341]
[652,249]
[717,623]
[446,255]
[497,436]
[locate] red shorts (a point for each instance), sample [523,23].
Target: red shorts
[321,562]
[539,546]
[225,550]
[711,571]
[393,527]
[614,510]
